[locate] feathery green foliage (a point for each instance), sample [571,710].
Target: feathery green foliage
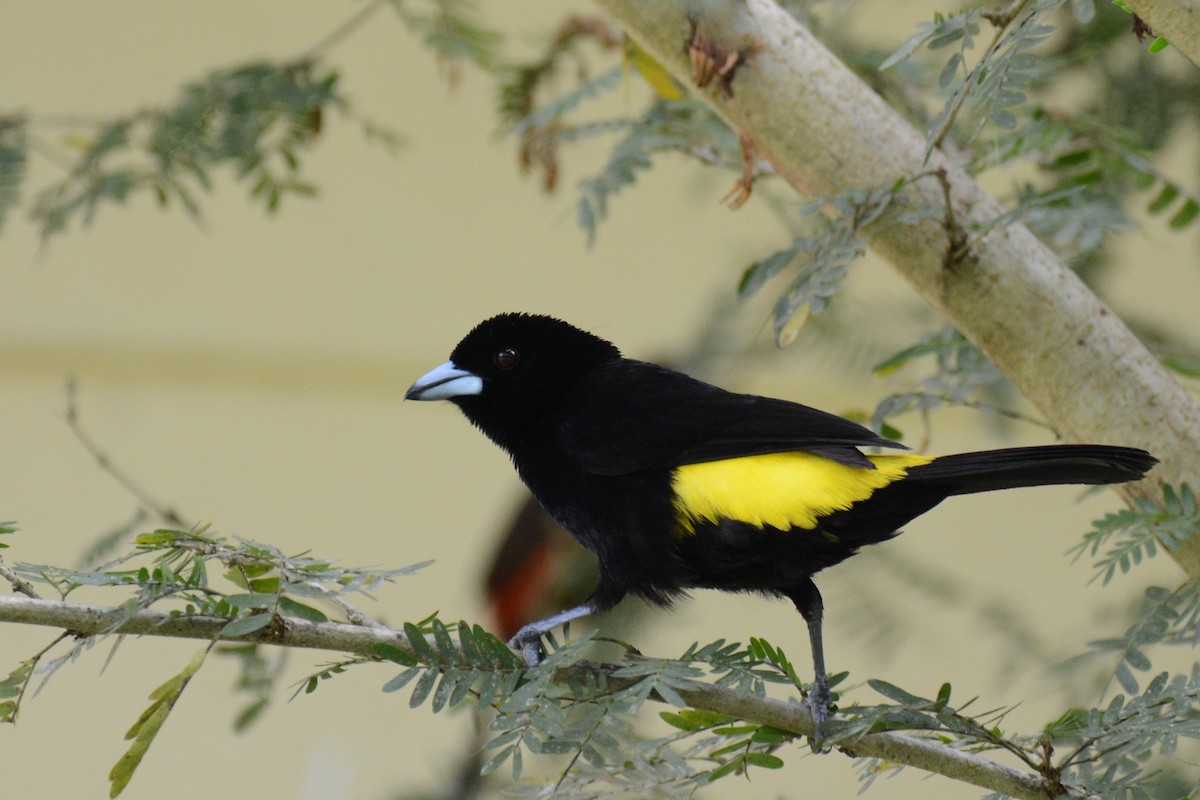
[821,259]
[12,689]
[148,725]
[453,30]
[258,586]
[667,126]
[13,163]
[960,376]
[1132,534]
[254,118]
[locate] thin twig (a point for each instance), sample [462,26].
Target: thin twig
[1001,19]
[163,510]
[350,26]
[355,616]
[18,585]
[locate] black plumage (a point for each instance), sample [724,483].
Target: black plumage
[677,484]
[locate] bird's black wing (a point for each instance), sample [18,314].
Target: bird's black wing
[633,416]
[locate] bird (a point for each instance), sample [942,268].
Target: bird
[676,484]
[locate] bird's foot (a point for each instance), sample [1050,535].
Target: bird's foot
[819,703]
[528,642]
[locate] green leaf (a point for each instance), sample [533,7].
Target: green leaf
[14,163]
[150,723]
[400,681]
[462,689]
[395,654]
[1185,215]
[896,694]
[760,272]
[445,644]
[1126,678]
[419,644]
[1072,158]
[669,694]
[678,721]
[764,760]
[423,688]
[159,537]
[1068,726]
[943,696]
[265,585]
[245,625]
[894,362]
[703,718]
[1165,198]
[950,70]
[488,688]
[252,600]
[1003,118]
[728,768]
[516,763]
[292,608]
[249,715]
[466,641]
[445,688]
[495,762]
[910,46]
[1112,714]
[945,39]
[12,688]
[771,736]
[1137,659]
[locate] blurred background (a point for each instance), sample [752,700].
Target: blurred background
[248,371]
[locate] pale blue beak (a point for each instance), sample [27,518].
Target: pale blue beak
[443,383]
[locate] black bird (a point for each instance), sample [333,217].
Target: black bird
[676,484]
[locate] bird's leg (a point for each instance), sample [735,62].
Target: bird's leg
[529,638]
[808,602]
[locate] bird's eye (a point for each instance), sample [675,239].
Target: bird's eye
[506,358]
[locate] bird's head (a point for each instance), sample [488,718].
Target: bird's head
[512,371]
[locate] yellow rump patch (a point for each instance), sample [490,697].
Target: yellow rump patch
[783,490]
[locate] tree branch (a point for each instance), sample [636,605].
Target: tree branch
[896,748]
[1178,21]
[824,129]
[90,620]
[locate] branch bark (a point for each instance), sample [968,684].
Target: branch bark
[91,620]
[824,129]
[1176,20]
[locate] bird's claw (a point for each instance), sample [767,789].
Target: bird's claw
[529,645]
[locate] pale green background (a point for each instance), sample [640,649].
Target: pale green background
[250,372]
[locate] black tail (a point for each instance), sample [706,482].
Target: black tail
[987,470]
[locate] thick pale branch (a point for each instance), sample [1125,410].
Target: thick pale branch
[893,748]
[1178,21]
[824,129]
[89,620]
